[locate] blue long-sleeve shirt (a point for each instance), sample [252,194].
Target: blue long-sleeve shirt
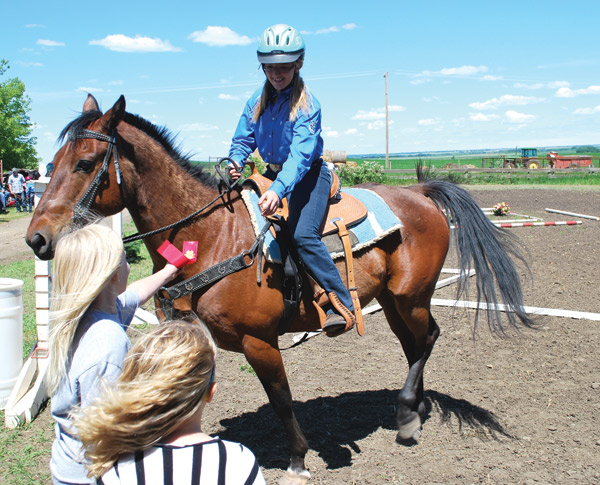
[292,144]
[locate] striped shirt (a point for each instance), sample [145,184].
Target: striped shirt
[214,462]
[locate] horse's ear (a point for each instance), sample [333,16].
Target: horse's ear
[90,104]
[114,115]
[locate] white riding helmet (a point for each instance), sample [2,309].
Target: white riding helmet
[279,44]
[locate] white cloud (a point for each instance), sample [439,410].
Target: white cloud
[489,77]
[351,131]
[139,43]
[587,111]
[329,30]
[549,85]
[34,26]
[529,86]
[368,115]
[50,43]
[218,36]
[30,64]
[482,117]
[228,97]
[515,117]
[377,113]
[331,133]
[457,71]
[507,99]
[86,89]
[420,80]
[378,125]
[198,127]
[396,107]
[565,92]
[428,122]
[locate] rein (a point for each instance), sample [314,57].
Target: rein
[224,181]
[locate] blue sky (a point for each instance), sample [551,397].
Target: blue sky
[461,75]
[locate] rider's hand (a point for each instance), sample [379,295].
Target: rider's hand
[235,172]
[268,203]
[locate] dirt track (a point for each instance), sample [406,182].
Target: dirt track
[520,410]
[12,242]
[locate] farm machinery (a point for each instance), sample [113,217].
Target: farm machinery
[528,159]
[569,161]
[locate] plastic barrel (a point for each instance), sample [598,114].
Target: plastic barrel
[11,335]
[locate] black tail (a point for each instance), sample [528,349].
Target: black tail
[487,249]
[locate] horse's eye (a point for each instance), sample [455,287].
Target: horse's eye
[85,166]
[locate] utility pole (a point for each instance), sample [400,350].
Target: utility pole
[387,126]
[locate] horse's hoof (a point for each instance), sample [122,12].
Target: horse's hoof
[410,431]
[291,478]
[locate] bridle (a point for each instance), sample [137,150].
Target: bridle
[82,207]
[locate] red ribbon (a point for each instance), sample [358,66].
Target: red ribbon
[175,256]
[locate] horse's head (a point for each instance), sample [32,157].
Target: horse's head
[85,177]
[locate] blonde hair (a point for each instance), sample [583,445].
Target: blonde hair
[299,98]
[166,375]
[84,262]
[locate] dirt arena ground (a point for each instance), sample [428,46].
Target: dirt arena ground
[524,409]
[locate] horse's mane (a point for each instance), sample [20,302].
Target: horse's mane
[161,135]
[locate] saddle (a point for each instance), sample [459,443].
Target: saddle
[343,211]
[341,205]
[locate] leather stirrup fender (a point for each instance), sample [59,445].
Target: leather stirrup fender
[350,284]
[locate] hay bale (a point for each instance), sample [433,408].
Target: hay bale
[334,156]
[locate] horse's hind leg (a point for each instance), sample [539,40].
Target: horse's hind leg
[266,360]
[417,331]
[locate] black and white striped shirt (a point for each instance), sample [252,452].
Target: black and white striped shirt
[215,462]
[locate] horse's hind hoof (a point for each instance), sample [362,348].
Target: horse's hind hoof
[410,432]
[291,478]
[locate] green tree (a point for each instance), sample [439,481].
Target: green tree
[17,145]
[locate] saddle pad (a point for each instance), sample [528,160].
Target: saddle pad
[380,222]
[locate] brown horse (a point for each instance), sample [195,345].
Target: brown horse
[159,187]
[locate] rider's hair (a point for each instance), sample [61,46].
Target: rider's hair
[166,377]
[299,96]
[84,263]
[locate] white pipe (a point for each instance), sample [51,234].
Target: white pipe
[573,214]
[528,309]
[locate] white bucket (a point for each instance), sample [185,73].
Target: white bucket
[11,335]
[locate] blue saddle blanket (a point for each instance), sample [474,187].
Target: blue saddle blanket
[380,222]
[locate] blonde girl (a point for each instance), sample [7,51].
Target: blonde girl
[147,428]
[90,310]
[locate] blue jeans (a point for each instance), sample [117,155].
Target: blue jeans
[3,200]
[30,198]
[308,204]
[19,201]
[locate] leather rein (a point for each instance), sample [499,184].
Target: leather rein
[198,281]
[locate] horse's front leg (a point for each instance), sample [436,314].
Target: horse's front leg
[266,360]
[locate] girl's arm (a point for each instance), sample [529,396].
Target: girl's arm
[146,287]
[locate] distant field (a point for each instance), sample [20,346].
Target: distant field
[441,162]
